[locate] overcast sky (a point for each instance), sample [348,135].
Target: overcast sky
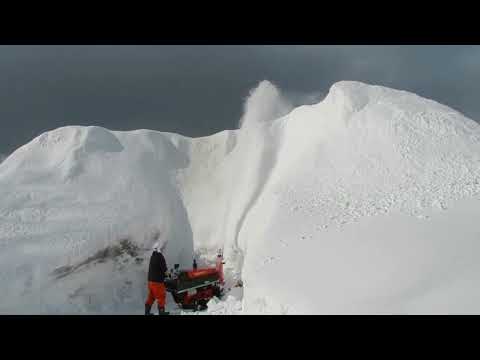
[199,90]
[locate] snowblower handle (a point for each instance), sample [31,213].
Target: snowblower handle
[219,266]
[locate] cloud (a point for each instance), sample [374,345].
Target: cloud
[2,157]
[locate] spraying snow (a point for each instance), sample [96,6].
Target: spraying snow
[265,103]
[362,203]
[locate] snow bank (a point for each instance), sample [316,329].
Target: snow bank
[345,206]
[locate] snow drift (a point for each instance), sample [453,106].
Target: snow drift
[362,203]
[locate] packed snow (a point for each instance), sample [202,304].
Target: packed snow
[362,203]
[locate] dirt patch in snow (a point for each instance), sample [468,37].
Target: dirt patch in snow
[124,246]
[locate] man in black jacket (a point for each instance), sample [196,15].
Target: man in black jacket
[156,278]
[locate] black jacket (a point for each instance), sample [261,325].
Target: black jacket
[157,267]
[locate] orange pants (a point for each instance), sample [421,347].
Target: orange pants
[156,291]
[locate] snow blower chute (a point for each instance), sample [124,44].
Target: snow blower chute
[192,289]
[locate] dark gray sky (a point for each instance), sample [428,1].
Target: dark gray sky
[199,90]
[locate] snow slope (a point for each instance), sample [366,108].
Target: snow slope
[363,203]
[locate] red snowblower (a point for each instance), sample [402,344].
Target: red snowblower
[192,289]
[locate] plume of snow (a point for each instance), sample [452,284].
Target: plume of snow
[298,98]
[264,103]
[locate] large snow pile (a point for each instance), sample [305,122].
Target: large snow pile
[363,203]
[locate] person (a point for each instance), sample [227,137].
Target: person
[156,277]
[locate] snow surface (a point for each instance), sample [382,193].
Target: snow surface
[365,202]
